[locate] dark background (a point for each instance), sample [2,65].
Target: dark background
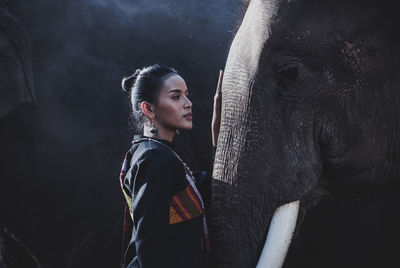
[60,161]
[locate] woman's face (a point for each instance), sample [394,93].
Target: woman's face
[174,110]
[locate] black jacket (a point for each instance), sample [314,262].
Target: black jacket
[154,176]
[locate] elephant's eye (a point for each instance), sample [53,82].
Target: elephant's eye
[293,75]
[287,70]
[287,75]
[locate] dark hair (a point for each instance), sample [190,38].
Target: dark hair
[145,85]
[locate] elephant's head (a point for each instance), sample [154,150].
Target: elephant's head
[311,98]
[16,75]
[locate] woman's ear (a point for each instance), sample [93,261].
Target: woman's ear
[147,109]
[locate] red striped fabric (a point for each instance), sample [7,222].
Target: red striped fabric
[184,205]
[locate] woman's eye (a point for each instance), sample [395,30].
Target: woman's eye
[176,97]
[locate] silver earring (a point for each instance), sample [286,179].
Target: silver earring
[153,129]
[177,131]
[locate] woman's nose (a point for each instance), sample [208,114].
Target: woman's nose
[188,103]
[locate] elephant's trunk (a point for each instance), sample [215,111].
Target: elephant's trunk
[258,166]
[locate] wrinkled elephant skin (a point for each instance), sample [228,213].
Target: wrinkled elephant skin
[310,102]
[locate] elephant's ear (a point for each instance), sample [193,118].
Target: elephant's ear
[16,77]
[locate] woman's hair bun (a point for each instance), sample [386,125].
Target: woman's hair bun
[129,81]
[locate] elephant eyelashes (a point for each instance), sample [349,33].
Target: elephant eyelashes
[286,75]
[290,73]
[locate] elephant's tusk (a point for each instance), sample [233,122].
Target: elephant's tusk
[279,236]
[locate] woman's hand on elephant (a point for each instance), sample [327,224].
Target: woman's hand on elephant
[216,119]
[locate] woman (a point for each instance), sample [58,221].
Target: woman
[165,219]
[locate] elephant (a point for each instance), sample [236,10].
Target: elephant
[310,104]
[17,95]
[16,75]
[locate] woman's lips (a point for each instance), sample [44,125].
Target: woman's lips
[189,117]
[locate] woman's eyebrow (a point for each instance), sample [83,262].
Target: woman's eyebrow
[176,90]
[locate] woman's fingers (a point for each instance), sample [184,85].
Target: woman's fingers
[219,85]
[216,120]
[218,94]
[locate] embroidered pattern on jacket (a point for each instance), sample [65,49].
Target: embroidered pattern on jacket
[184,205]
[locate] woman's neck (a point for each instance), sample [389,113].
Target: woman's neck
[162,133]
